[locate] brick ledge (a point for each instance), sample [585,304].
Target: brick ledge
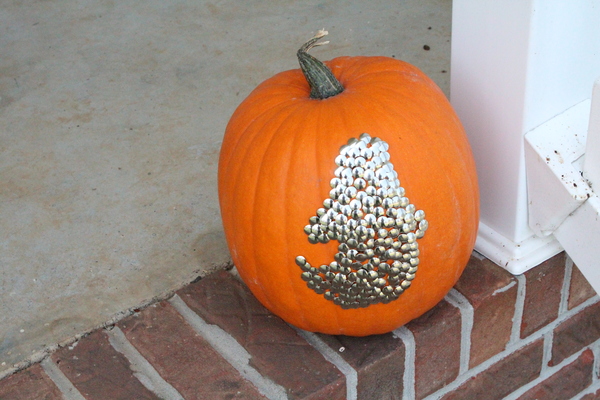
[494,335]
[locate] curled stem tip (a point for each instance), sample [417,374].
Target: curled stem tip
[323,83]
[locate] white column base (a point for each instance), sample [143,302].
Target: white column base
[516,258]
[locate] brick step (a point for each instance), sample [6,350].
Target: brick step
[494,336]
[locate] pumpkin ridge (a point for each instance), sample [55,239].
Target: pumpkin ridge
[324,169]
[250,131]
[358,67]
[260,173]
[233,172]
[397,86]
[235,118]
[291,277]
[302,306]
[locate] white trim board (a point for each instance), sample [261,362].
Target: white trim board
[516,258]
[562,202]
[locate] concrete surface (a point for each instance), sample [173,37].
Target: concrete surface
[111,119]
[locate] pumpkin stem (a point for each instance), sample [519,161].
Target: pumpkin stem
[320,78]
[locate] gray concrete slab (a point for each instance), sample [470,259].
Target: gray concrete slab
[111,120]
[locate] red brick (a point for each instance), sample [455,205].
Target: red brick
[567,382]
[542,294]
[32,383]
[576,333]
[182,357]
[277,351]
[437,340]
[99,372]
[504,377]
[378,361]
[580,289]
[492,292]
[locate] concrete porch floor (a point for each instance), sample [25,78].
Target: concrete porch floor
[111,118]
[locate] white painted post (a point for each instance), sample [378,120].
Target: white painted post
[515,65]
[591,167]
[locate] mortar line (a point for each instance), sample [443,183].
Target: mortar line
[66,387]
[547,350]
[515,334]
[593,388]
[459,301]
[548,373]
[408,379]
[141,368]
[504,288]
[336,359]
[565,290]
[511,348]
[230,349]
[596,368]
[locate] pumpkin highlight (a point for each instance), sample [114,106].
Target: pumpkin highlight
[349,201]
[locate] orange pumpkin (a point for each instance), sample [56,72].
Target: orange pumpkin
[348,194]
